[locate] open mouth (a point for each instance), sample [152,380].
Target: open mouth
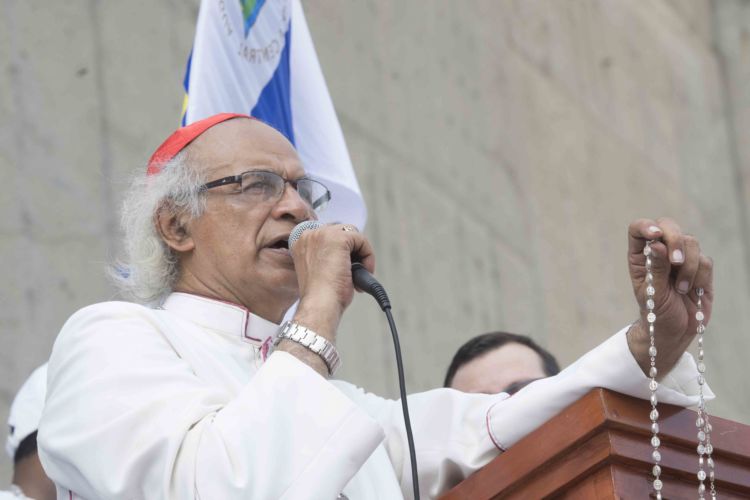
[279,244]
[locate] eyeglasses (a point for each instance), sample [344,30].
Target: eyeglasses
[262,185]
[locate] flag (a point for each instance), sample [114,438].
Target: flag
[257,57]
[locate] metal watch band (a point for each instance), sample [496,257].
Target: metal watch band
[311,340]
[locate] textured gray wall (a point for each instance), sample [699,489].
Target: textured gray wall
[502,148]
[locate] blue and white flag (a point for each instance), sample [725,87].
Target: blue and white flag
[257,57]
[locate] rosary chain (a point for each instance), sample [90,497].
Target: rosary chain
[653,372]
[705,449]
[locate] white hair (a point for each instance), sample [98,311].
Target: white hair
[149,269]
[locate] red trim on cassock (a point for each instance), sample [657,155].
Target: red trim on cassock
[489,429]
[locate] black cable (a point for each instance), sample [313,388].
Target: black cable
[404,405]
[367,283]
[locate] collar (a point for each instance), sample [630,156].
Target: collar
[226,317]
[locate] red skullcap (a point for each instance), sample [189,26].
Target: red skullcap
[182,137]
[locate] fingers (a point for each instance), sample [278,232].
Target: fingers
[676,256]
[335,238]
[641,231]
[685,277]
[361,249]
[674,239]
[704,277]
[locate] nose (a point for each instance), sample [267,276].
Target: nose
[291,206]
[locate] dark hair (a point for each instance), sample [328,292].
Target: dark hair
[26,447]
[482,344]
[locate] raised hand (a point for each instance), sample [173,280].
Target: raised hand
[322,261]
[679,269]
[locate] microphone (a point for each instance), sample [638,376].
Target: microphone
[361,277]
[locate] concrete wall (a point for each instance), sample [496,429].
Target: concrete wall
[502,148]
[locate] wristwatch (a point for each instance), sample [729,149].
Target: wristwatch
[311,340]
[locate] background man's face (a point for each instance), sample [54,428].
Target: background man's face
[234,252]
[494,371]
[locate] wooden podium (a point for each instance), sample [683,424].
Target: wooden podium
[598,448]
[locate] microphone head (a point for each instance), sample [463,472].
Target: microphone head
[301,228]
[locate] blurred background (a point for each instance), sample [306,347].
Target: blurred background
[502,148]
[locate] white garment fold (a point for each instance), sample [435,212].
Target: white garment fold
[182,403]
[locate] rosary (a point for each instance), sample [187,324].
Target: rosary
[705,462]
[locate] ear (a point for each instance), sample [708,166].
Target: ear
[173,228]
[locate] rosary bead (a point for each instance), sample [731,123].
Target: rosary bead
[653,385]
[656,456]
[709,448]
[710,462]
[658,484]
[699,422]
[699,315]
[650,303]
[652,372]
[701,475]
[654,427]
[656,470]
[654,415]
[651,317]
[701,328]
[701,436]
[702,367]
[650,291]
[652,351]
[701,449]
[653,400]
[647,250]
[655,442]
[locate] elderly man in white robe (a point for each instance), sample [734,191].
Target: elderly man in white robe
[181,393]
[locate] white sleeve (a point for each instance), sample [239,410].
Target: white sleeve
[125,417]
[456,433]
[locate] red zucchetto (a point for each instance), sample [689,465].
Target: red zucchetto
[184,136]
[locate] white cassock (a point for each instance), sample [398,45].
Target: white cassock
[180,402]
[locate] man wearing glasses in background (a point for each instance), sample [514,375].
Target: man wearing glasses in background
[181,393]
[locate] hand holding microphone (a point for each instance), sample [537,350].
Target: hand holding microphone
[323,255]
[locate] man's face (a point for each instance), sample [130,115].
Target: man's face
[237,256]
[494,371]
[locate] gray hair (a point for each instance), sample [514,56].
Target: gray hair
[149,269]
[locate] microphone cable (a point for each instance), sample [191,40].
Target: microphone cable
[368,284]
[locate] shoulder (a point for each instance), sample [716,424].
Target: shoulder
[109,314]
[107,326]
[110,310]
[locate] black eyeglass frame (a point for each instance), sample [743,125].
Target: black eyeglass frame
[237,179]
